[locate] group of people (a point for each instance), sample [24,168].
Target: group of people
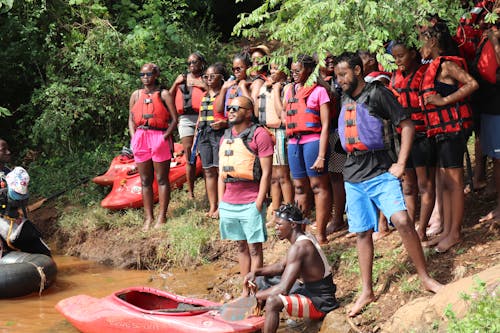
[382,143]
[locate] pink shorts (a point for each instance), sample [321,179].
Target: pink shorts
[150,145]
[297,305]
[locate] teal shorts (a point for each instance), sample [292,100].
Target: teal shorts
[242,222]
[383,192]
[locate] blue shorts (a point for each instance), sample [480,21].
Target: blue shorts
[383,191]
[490,140]
[301,158]
[242,222]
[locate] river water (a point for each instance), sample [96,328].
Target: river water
[35,314]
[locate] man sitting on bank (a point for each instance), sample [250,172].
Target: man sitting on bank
[313,296]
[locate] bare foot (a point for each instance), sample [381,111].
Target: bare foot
[434,229]
[433,241]
[322,240]
[421,234]
[158,225]
[431,285]
[361,302]
[334,227]
[494,214]
[380,234]
[147,225]
[447,243]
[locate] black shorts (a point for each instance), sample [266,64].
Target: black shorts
[450,149]
[208,146]
[423,153]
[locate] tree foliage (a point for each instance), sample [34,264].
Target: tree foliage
[308,26]
[77,61]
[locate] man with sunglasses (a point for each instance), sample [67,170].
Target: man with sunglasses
[279,286]
[245,161]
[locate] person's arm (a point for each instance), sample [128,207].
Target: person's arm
[221,187]
[169,102]
[219,103]
[407,133]
[290,274]
[244,87]
[324,110]
[450,69]
[132,101]
[266,164]
[269,270]
[494,37]
[178,81]
[276,97]
[254,92]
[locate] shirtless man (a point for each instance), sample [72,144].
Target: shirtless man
[311,297]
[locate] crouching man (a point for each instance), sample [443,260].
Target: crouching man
[302,282]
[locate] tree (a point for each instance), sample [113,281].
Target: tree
[308,26]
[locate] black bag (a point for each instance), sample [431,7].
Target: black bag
[23,236]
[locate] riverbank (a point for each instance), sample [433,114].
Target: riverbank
[189,239]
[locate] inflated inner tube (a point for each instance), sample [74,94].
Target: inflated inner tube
[24,273]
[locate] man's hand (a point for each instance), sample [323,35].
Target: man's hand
[217,125]
[249,281]
[397,170]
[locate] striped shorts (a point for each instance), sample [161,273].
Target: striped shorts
[297,305]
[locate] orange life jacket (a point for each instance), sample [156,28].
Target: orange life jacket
[406,90]
[267,112]
[149,111]
[300,119]
[448,118]
[188,99]
[237,162]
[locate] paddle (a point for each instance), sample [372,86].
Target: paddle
[232,311]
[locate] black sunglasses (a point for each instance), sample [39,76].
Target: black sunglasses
[235,108]
[193,62]
[210,76]
[148,74]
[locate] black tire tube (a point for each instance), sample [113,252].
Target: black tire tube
[19,275]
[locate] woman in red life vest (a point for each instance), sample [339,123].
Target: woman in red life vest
[187,90]
[151,122]
[237,85]
[420,170]
[443,92]
[307,113]
[209,131]
[268,109]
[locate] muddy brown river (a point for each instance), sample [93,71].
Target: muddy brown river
[35,314]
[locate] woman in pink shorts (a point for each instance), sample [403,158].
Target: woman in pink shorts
[151,122]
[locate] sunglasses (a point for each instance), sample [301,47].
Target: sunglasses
[210,76]
[237,69]
[235,108]
[148,74]
[193,62]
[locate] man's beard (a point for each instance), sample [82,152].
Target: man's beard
[352,86]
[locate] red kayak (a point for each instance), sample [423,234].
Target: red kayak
[127,192]
[137,309]
[120,165]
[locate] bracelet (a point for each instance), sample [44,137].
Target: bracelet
[321,158]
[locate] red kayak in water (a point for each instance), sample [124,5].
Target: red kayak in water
[142,309]
[127,192]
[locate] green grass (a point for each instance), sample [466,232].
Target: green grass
[483,314]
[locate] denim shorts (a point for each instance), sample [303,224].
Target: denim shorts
[383,192]
[301,158]
[242,222]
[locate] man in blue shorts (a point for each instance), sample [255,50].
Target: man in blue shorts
[372,170]
[245,162]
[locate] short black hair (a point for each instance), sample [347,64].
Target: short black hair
[291,213]
[352,58]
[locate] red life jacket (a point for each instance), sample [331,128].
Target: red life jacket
[406,90]
[149,111]
[300,119]
[448,118]
[188,99]
[485,62]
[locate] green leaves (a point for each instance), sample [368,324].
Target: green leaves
[6,5]
[309,26]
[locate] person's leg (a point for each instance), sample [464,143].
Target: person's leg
[410,192]
[162,169]
[187,143]
[364,245]
[453,205]
[337,185]
[256,256]
[273,307]
[495,213]
[383,228]
[320,186]
[426,186]
[211,178]
[302,189]
[146,173]
[283,173]
[412,245]
[276,195]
